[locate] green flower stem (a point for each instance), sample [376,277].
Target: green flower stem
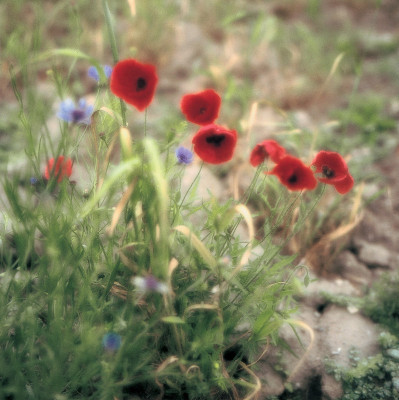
[291,235]
[114,49]
[244,200]
[187,192]
[145,123]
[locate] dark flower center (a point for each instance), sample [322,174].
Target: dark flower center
[327,172]
[202,110]
[77,115]
[216,140]
[263,152]
[183,158]
[293,178]
[141,84]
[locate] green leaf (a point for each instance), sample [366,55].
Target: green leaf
[173,319]
[67,52]
[121,171]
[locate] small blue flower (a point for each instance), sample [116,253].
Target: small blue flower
[92,72]
[70,112]
[184,155]
[33,180]
[107,71]
[111,342]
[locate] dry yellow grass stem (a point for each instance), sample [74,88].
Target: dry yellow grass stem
[96,143]
[265,350]
[303,358]
[119,290]
[132,6]
[198,245]
[258,385]
[120,207]
[170,360]
[246,214]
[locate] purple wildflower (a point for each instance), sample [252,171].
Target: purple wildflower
[149,284]
[111,342]
[70,112]
[92,72]
[184,155]
[107,71]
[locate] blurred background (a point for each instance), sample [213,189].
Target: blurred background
[312,74]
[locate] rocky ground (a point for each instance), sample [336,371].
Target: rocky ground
[371,245]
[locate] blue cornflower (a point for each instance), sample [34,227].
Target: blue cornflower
[107,71]
[184,155]
[33,180]
[93,72]
[111,342]
[70,112]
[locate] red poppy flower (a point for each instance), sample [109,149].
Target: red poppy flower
[333,170]
[345,185]
[201,108]
[264,150]
[215,144]
[61,170]
[294,174]
[134,82]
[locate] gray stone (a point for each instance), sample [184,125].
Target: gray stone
[350,268]
[346,331]
[313,294]
[333,334]
[394,353]
[331,387]
[374,255]
[272,382]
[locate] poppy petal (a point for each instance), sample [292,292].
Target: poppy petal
[215,144]
[201,108]
[344,185]
[294,174]
[61,170]
[134,82]
[264,150]
[49,168]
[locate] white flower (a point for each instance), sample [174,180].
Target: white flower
[150,284]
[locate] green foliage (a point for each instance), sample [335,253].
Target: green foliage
[374,377]
[382,302]
[64,285]
[367,115]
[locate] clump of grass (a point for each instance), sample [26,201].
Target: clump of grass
[367,117]
[381,303]
[121,285]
